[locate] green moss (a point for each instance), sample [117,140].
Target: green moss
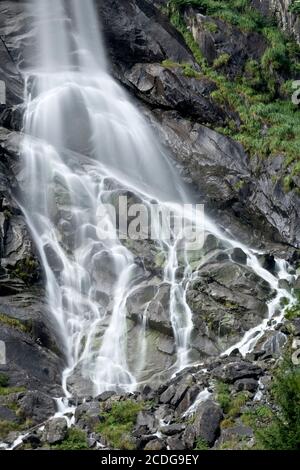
[187,69]
[210,26]
[13,323]
[221,61]
[118,423]
[75,440]
[227,423]
[4,391]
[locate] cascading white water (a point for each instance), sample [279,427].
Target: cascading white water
[85,143]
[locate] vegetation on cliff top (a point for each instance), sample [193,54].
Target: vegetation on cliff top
[270,122]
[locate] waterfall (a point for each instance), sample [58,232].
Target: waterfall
[86,145]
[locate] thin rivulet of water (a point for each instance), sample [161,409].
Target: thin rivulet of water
[84,145]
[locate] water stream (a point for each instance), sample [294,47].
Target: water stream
[85,145]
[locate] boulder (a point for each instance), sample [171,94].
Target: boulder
[234,371]
[206,425]
[55,431]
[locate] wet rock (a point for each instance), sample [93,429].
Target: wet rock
[268,262]
[239,256]
[227,300]
[156,299]
[80,385]
[55,431]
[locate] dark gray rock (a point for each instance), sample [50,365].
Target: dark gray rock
[249,385]
[239,256]
[145,423]
[206,425]
[234,371]
[87,415]
[172,429]
[169,88]
[135,31]
[36,406]
[175,443]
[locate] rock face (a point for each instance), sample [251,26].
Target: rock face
[135,31]
[289,21]
[215,39]
[167,88]
[247,197]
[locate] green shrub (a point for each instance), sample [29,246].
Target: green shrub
[283,432]
[118,423]
[295,7]
[223,396]
[75,440]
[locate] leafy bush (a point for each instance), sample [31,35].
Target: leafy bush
[295,7]
[118,423]
[223,396]
[283,432]
[76,440]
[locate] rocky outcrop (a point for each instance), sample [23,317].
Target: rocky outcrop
[136,32]
[216,40]
[289,21]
